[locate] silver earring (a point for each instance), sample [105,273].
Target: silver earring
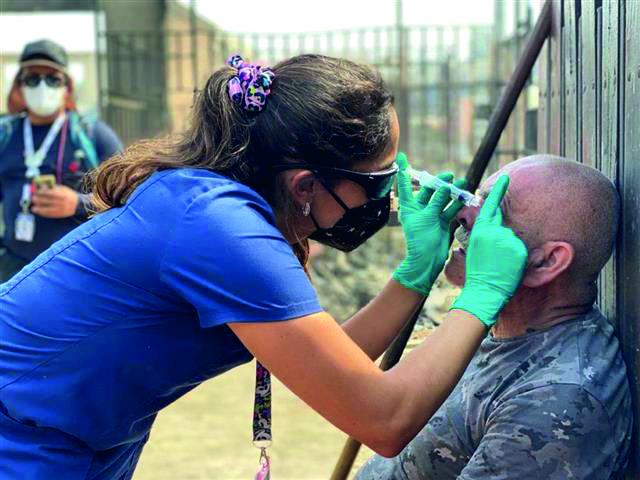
[306,210]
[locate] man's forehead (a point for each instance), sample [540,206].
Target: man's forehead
[520,174]
[487,185]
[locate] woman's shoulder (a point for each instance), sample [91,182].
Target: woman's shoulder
[197,182]
[201,191]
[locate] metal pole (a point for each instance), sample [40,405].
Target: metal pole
[483,155]
[497,51]
[509,97]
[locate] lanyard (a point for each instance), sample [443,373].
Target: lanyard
[262,419]
[33,160]
[60,160]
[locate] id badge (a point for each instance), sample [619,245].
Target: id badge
[25,227]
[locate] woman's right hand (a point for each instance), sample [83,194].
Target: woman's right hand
[495,261]
[425,219]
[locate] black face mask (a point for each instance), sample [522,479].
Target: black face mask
[356,226]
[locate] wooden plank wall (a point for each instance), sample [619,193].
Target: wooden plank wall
[590,112]
[629,184]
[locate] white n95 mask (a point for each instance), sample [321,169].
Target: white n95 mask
[44,100]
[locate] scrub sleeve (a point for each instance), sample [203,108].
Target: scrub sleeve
[158,280]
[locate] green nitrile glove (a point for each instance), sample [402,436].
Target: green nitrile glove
[495,262]
[425,223]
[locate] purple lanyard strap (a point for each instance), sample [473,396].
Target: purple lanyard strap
[262,419]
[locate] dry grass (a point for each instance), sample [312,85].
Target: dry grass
[207,435]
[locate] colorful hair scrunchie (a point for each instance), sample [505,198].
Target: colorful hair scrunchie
[251,85]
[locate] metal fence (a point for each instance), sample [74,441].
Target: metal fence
[132,83]
[444,79]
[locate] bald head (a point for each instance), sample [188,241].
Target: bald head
[554,199]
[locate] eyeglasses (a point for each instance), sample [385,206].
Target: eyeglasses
[34,79]
[376,185]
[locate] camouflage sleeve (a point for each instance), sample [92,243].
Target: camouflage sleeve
[552,432]
[437,452]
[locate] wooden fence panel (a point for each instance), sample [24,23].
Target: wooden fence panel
[589,73]
[629,251]
[556,113]
[570,61]
[593,62]
[544,103]
[609,126]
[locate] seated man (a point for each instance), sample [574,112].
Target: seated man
[546,396]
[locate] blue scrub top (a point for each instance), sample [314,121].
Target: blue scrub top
[127,313]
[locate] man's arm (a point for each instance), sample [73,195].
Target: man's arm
[553,432]
[437,452]
[106,141]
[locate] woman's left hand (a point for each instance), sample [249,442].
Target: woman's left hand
[425,220]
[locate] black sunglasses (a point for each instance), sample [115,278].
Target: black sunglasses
[34,79]
[376,185]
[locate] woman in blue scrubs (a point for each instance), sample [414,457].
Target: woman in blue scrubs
[196,264]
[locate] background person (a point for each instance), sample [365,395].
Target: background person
[193,270]
[47,147]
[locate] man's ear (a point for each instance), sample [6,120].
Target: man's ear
[547,262]
[302,186]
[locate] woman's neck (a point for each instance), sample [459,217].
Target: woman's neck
[294,230]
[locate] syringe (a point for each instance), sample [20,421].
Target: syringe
[427,180]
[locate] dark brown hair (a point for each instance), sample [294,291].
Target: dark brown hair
[322,110]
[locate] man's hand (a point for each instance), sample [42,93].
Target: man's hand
[56,202]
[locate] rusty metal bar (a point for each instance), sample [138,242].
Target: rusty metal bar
[509,97]
[497,124]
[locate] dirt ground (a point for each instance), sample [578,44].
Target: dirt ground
[207,435]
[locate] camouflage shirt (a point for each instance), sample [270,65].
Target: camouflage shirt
[551,404]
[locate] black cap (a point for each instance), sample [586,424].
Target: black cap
[46,53]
